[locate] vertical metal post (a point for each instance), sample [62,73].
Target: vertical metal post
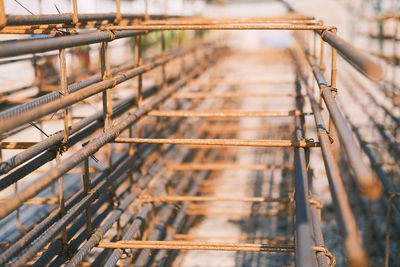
[369,231]
[64,92]
[107,113]
[391,197]
[315,45]
[107,98]
[40,7]
[139,96]
[164,78]
[75,10]
[394,67]
[18,215]
[146,10]
[332,133]
[86,189]
[321,65]
[3,17]
[118,8]
[181,39]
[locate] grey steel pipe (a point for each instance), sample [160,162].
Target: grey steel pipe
[39,45]
[354,56]
[22,20]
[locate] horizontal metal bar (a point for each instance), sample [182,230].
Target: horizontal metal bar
[218,166]
[238,237]
[222,27]
[186,245]
[15,20]
[38,45]
[207,199]
[236,212]
[211,82]
[222,142]
[16,145]
[224,113]
[36,201]
[354,56]
[208,95]
[213,21]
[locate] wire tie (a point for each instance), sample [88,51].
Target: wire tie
[112,34]
[318,204]
[332,260]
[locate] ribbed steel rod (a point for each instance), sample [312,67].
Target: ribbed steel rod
[227,26]
[208,95]
[97,236]
[344,214]
[366,178]
[48,178]
[66,18]
[88,91]
[186,245]
[222,142]
[219,166]
[361,61]
[303,225]
[39,45]
[52,96]
[223,113]
[208,199]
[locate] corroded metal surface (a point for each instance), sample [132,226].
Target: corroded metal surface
[119,186]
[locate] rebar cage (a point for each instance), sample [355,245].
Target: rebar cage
[124,158]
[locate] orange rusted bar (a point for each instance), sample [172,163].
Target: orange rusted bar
[222,27]
[192,245]
[3,17]
[16,145]
[218,166]
[239,237]
[222,142]
[35,201]
[214,82]
[225,113]
[199,95]
[211,198]
[213,21]
[234,128]
[246,213]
